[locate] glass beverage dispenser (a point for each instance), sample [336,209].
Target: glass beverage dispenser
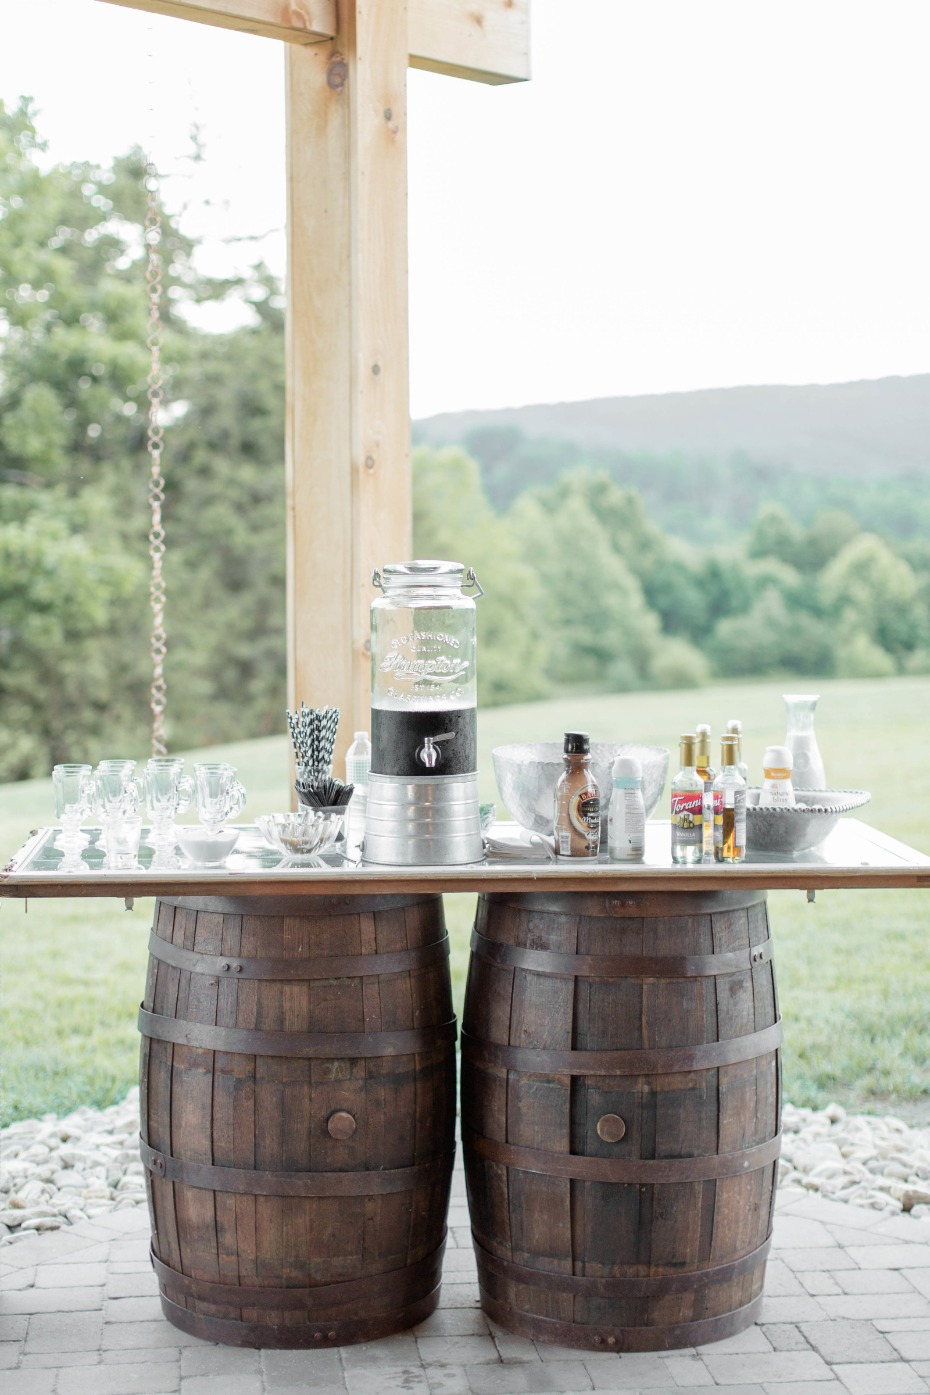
[423,784]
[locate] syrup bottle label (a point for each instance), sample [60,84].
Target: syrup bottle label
[687,818]
[584,810]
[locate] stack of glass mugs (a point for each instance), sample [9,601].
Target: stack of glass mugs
[113,795]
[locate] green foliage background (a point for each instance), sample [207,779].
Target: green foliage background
[585,591]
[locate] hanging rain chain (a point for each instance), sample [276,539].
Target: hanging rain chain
[154,443]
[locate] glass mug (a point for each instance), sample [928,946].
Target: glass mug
[117,794]
[168,792]
[123,839]
[73,787]
[116,791]
[220,796]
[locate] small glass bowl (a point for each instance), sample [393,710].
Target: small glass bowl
[204,848]
[302,836]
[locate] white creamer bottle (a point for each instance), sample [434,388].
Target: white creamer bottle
[777,790]
[626,816]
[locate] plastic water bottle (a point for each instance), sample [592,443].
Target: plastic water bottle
[358,764]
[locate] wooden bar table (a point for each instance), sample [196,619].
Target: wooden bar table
[620,1086]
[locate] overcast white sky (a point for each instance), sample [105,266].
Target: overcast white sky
[690,193]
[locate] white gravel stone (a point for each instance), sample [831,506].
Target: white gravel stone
[60,1171]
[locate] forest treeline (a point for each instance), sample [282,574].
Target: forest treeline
[694,494]
[584,588]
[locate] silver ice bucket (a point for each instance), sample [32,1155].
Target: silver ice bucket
[418,821]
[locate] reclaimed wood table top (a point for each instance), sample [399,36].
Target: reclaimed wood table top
[854,855]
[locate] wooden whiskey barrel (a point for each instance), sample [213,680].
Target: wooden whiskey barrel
[620,1114]
[298,1111]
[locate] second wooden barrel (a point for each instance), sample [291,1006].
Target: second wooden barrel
[298,1111]
[620,1114]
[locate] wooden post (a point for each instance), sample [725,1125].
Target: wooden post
[348,436]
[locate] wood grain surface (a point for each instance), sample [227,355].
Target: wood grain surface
[621,1198]
[298,1199]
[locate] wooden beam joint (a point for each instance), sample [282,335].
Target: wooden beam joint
[482,40]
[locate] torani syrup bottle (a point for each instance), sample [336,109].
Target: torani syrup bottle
[707,774]
[577,811]
[729,805]
[687,800]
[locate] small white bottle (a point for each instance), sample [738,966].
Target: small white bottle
[777,790]
[626,816]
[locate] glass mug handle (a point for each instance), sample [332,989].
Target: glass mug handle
[88,796]
[235,800]
[185,794]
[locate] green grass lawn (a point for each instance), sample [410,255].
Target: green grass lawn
[853,970]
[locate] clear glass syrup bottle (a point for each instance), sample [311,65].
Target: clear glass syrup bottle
[626,816]
[577,804]
[707,774]
[729,805]
[687,802]
[735,728]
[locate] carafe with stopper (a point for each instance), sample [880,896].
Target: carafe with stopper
[801,740]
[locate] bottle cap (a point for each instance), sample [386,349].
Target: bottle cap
[729,749]
[778,758]
[702,731]
[627,768]
[361,736]
[686,747]
[577,743]
[735,726]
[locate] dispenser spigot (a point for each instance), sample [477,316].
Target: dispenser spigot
[429,753]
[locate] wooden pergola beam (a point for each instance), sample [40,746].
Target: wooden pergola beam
[294,21]
[487,41]
[483,40]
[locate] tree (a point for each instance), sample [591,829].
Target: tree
[601,629]
[73,366]
[774,533]
[60,686]
[771,639]
[867,590]
[829,533]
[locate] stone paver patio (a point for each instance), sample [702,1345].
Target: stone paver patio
[847,1309]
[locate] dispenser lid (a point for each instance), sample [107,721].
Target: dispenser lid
[396,576]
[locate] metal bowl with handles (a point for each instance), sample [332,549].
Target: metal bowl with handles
[786,831]
[527,772]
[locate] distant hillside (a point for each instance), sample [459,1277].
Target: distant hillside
[841,428]
[862,446]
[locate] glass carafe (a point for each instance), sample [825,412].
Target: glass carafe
[801,740]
